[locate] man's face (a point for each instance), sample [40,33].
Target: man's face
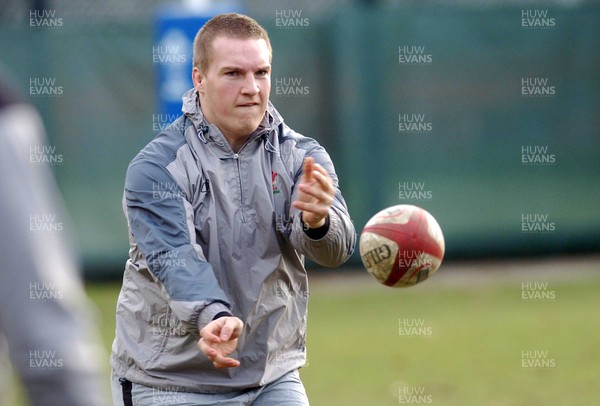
[234,92]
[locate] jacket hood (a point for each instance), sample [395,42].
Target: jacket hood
[191,108]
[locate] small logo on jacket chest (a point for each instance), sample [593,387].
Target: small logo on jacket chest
[274,176]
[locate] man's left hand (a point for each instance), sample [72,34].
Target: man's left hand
[316,194]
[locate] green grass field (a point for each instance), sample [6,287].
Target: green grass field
[458,339]
[470,347]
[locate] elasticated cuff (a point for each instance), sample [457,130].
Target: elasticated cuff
[209,312]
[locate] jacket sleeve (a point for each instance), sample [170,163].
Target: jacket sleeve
[161,221]
[336,246]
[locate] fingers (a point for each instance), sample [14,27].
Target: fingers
[219,339]
[312,171]
[206,348]
[307,169]
[225,362]
[222,329]
[318,211]
[209,336]
[212,331]
[319,179]
[218,359]
[323,179]
[226,331]
[316,168]
[319,192]
[316,194]
[231,329]
[314,199]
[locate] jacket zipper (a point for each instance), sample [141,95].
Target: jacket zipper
[236,157]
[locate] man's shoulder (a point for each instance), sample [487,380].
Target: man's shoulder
[163,148]
[287,135]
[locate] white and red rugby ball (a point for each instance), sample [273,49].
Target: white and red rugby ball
[402,245]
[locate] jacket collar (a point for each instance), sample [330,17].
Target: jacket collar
[191,108]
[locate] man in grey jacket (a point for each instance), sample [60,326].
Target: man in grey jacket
[222,208]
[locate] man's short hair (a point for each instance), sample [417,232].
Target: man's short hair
[227,25]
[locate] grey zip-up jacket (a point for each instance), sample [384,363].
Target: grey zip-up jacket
[212,230]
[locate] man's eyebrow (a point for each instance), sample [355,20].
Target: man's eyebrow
[240,69]
[230,68]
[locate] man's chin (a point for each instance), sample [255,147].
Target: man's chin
[247,127]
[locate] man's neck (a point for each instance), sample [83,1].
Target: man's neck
[236,143]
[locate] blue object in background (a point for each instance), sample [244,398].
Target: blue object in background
[176,26]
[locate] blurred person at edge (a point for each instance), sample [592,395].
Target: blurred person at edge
[222,207]
[45,318]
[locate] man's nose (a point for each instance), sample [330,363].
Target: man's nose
[250,85]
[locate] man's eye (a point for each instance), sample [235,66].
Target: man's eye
[231,73]
[262,73]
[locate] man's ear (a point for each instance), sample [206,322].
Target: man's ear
[198,79]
